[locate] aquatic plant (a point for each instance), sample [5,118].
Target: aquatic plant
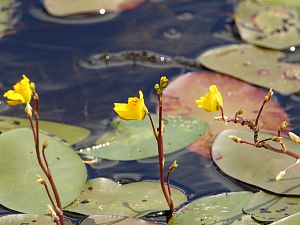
[213,102]
[135,109]
[23,92]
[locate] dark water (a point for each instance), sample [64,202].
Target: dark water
[56,56]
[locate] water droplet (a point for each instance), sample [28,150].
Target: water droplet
[172,33]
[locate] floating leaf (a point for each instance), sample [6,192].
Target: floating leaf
[266,207]
[8,17]
[19,189]
[293,3]
[255,65]
[218,210]
[71,134]
[71,7]
[256,166]
[103,196]
[111,219]
[269,26]
[133,140]
[23,219]
[181,93]
[245,220]
[290,220]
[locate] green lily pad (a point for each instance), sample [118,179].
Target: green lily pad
[112,219]
[7,17]
[23,219]
[290,220]
[131,140]
[254,65]
[255,166]
[245,220]
[69,133]
[70,7]
[19,189]
[102,196]
[218,210]
[266,207]
[268,25]
[293,3]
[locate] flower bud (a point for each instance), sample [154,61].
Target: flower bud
[283,126]
[32,86]
[28,110]
[40,180]
[269,95]
[280,175]
[241,111]
[235,138]
[173,166]
[277,139]
[45,144]
[51,211]
[164,82]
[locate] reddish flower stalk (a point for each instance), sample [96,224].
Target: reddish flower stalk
[44,165]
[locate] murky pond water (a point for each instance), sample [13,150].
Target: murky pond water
[83,64]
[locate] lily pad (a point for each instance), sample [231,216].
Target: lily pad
[290,220]
[8,17]
[292,3]
[70,7]
[245,220]
[69,133]
[23,219]
[218,210]
[269,208]
[102,196]
[181,93]
[111,219]
[131,140]
[19,189]
[255,166]
[254,65]
[268,25]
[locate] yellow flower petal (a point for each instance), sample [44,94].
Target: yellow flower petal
[135,109]
[212,101]
[21,93]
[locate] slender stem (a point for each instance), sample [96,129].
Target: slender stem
[222,114]
[46,171]
[161,151]
[45,159]
[152,125]
[259,112]
[50,197]
[170,192]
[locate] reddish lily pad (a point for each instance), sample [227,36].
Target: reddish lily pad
[254,65]
[257,166]
[102,196]
[268,25]
[70,7]
[182,92]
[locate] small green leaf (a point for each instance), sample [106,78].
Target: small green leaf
[19,189]
[71,134]
[268,208]
[218,210]
[102,196]
[268,25]
[112,219]
[254,65]
[256,166]
[131,140]
[23,219]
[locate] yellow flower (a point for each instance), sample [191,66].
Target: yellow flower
[134,110]
[212,101]
[21,93]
